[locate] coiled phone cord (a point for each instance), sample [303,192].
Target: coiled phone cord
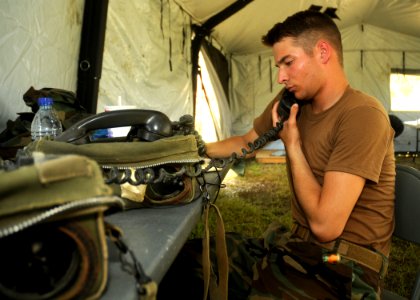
[258,143]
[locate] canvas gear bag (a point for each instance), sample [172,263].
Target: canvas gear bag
[155,173]
[52,230]
[155,164]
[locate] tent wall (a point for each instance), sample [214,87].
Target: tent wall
[39,46]
[147,57]
[369,55]
[253,85]
[370,70]
[212,92]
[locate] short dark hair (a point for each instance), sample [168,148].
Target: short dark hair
[306,27]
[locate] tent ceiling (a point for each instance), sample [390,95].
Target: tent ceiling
[242,32]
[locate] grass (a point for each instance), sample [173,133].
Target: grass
[249,203]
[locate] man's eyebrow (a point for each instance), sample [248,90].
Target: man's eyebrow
[281,61]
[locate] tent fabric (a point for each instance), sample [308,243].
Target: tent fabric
[220,64]
[218,102]
[39,47]
[146,58]
[241,34]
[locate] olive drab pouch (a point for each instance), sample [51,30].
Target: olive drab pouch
[155,173]
[17,133]
[52,236]
[65,103]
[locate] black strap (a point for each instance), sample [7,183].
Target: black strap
[146,287]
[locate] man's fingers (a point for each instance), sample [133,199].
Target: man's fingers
[294,111]
[274,114]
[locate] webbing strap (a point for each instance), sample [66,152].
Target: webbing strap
[206,253]
[371,259]
[218,290]
[146,287]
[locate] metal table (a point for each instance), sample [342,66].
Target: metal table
[155,235]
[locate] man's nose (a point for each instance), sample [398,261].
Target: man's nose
[282,76]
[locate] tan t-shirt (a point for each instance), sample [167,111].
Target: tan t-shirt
[353,136]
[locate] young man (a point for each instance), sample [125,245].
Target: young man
[341,169]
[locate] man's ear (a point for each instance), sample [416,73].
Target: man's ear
[323,51]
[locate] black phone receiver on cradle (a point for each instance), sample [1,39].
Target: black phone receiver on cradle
[149,125]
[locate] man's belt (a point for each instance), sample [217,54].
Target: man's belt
[361,255]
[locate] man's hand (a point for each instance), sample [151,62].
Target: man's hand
[290,133]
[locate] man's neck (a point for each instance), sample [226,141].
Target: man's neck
[329,95]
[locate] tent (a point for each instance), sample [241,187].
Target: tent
[149,53]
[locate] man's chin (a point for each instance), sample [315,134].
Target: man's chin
[296,94]
[300,96]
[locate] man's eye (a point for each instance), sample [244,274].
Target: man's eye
[288,62]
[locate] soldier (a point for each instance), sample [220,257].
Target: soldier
[341,166]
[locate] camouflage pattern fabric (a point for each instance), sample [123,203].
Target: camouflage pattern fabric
[277,266]
[295,269]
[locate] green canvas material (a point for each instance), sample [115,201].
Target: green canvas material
[50,183]
[32,190]
[173,149]
[177,151]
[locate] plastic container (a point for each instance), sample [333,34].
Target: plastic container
[46,123]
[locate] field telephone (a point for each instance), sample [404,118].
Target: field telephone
[146,125]
[157,152]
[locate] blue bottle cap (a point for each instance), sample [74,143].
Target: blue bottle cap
[45,101]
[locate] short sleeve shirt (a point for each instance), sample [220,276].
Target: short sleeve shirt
[353,136]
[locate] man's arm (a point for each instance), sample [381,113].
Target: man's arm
[327,207]
[226,147]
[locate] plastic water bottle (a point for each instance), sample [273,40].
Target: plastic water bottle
[45,123]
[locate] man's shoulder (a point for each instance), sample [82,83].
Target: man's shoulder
[356,99]
[359,97]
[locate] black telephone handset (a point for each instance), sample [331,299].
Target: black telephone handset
[148,125]
[286,101]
